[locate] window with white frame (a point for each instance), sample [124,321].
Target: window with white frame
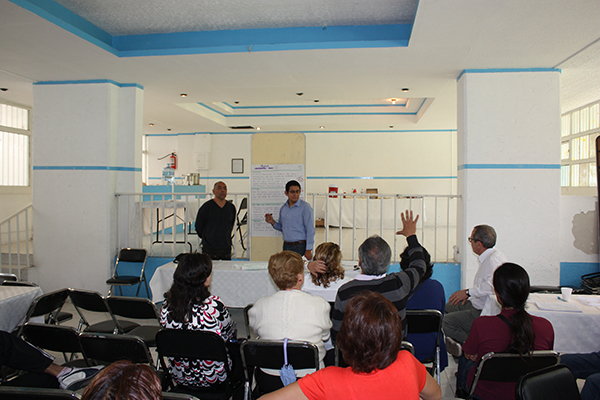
[15,137]
[579,130]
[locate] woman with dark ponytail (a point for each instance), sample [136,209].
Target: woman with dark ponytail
[512,331]
[189,305]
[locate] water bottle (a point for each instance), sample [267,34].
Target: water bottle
[168,175]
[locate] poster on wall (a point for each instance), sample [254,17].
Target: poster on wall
[267,193]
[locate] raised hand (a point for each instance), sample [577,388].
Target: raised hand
[409,224]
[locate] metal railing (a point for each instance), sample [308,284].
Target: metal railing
[348,219]
[16,234]
[163,223]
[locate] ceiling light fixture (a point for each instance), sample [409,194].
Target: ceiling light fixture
[169,129]
[236,102]
[321,127]
[391,126]
[183,94]
[316,101]
[258,128]
[151,124]
[405,89]
[393,101]
[299,94]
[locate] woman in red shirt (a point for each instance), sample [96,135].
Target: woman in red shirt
[370,339]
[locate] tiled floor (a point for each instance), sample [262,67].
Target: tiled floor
[448,378]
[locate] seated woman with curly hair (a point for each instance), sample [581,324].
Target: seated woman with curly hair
[327,283]
[370,341]
[189,305]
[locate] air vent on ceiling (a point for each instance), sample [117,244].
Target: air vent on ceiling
[241,127]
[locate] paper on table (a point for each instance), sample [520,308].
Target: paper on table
[589,300]
[568,307]
[251,267]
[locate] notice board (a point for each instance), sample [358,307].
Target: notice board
[276,158]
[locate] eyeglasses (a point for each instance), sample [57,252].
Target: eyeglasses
[471,240]
[294,191]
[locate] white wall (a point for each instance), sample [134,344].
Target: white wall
[406,159]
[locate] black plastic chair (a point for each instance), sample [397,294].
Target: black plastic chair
[49,305]
[25,393]
[128,255]
[104,349]
[552,383]
[504,367]
[427,321]
[58,338]
[137,308]
[94,302]
[197,345]
[262,353]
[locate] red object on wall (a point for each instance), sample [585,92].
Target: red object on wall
[173,160]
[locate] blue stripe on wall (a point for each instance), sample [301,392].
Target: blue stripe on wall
[381,177]
[505,70]
[89,81]
[85,168]
[571,272]
[508,166]
[252,132]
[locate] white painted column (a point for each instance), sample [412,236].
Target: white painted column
[86,147]
[509,167]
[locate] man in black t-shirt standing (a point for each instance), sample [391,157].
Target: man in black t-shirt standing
[214,224]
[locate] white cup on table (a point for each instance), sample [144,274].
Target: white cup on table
[566,293]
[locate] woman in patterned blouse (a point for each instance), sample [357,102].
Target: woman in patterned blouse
[189,305]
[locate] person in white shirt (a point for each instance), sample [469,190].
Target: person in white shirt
[464,306]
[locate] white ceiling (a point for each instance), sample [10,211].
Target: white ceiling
[448,36]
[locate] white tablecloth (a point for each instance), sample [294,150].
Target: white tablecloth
[237,283]
[374,211]
[574,332]
[14,303]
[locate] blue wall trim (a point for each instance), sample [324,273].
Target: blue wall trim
[505,70]
[224,41]
[207,177]
[85,168]
[508,166]
[314,106]
[381,177]
[90,81]
[299,113]
[252,132]
[571,272]
[273,39]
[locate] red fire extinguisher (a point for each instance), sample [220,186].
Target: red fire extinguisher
[172,160]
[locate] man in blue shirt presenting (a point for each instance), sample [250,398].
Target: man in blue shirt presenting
[296,222]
